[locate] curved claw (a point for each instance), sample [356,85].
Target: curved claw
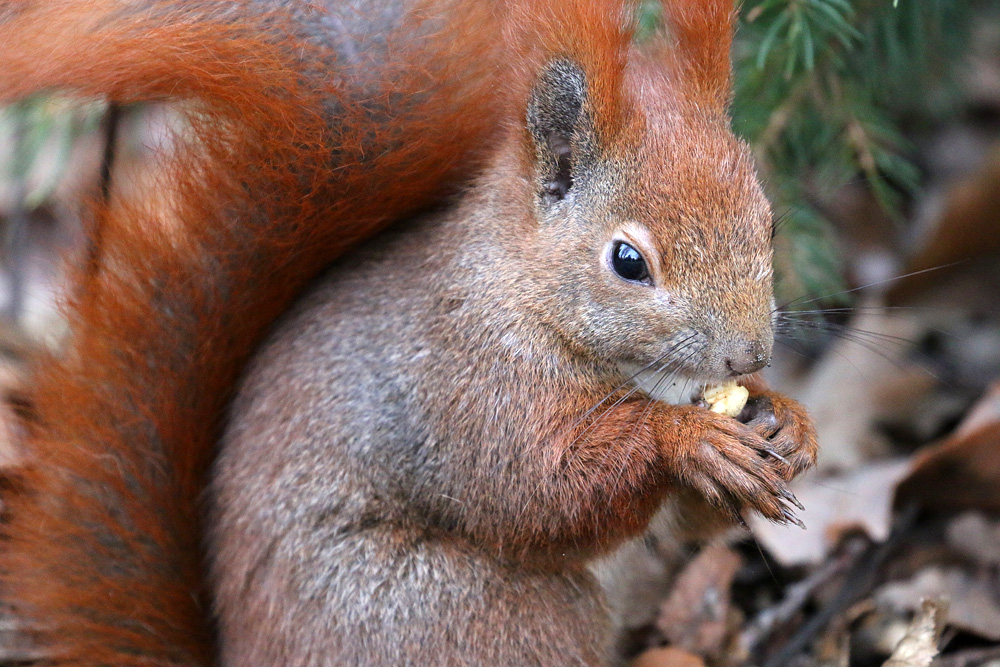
[791,518]
[790,497]
[771,452]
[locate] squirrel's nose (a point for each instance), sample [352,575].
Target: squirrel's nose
[747,358]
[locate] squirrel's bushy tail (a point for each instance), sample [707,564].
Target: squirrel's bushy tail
[278,169]
[291,151]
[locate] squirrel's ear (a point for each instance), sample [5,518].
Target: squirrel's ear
[703,32]
[557,124]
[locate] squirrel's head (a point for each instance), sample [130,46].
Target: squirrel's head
[651,233]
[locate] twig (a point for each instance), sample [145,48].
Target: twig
[112,121]
[858,582]
[797,595]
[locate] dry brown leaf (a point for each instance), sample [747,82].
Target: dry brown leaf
[855,385]
[976,537]
[985,411]
[919,647]
[962,473]
[833,649]
[973,607]
[694,616]
[667,657]
[834,506]
[965,228]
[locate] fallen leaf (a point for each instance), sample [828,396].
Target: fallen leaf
[833,649]
[667,657]
[962,473]
[858,382]
[973,608]
[694,616]
[965,227]
[985,411]
[834,506]
[919,646]
[976,537]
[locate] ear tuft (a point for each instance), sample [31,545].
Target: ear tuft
[703,30]
[555,114]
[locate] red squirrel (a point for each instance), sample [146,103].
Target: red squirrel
[428,447]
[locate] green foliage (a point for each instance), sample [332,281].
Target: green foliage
[824,90]
[650,19]
[38,134]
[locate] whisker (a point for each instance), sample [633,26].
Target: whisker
[656,387]
[673,350]
[886,341]
[627,395]
[870,285]
[778,221]
[853,309]
[787,342]
[647,410]
[645,413]
[856,336]
[836,327]
[885,346]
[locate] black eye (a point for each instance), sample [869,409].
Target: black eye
[628,263]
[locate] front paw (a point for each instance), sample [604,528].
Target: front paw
[786,426]
[733,466]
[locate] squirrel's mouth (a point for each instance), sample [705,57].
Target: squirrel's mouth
[669,385]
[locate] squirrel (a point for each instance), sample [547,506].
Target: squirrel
[521,237]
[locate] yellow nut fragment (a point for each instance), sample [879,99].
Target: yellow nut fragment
[726,399]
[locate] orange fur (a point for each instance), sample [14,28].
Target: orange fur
[703,37]
[103,547]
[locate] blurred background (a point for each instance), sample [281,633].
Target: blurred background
[876,128]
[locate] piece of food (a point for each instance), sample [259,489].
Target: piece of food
[726,399]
